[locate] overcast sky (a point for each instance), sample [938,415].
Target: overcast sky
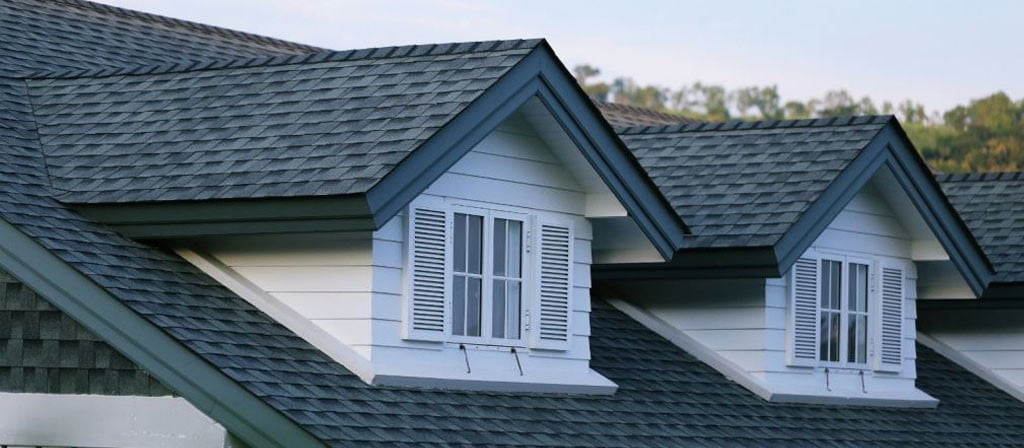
[940,53]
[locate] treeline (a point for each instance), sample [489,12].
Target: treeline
[987,134]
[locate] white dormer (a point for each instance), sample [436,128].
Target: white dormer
[837,327]
[482,281]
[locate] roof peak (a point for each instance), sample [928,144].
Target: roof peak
[984,176]
[439,49]
[739,125]
[180,23]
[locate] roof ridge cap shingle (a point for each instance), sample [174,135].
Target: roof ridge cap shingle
[980,176]
[187,24]
[851,120]
[439,49]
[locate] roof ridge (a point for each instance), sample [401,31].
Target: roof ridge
[740,125]
[440,49]
[188,24]
[980,176]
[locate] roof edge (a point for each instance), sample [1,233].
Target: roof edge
[739,125]
[177,366]
[454,48]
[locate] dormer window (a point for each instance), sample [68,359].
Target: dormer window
[844,289]
[844,314]
[487,276]
[478,277]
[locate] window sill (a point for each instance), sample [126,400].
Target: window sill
[879,398]
[591,383]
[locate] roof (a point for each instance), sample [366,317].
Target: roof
[625,115]
[744,184]
[992,205]
[313,125]
[150,297]
[79,34]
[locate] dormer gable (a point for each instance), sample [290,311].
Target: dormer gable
[807,296]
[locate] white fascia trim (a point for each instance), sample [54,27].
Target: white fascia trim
[281,313]
[693,347]
[98,420]
[971,365]
[593,384]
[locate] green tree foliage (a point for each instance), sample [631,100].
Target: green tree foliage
[985,135]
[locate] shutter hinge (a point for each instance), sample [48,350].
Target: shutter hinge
[529,240]
[527,323]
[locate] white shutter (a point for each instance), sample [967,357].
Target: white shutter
[427,282]
[803,332]
[550,319]
[889,327]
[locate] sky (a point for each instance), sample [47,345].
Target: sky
[938,52]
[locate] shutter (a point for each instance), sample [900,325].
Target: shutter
[889,332]
[427,290]
[553,307]
[804,313]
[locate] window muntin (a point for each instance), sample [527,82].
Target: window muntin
[487,276]
[844,295]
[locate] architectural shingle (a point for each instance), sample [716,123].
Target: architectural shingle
[323,124]
[666,397]
[743,184]
[625,115]
[992,205]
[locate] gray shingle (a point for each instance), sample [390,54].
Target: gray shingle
[743,184]
[280,128]
[625,115]
[992,205]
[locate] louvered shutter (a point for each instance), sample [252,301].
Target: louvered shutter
[427,281]
[804,289]
[889,329]
[550,321]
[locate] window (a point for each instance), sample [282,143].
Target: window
[843,312]
[487,276]
[847,312]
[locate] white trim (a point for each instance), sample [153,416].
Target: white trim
[105,421]
[971,365]
[280,312]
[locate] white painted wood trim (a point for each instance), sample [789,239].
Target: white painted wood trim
[693,347]
[971,365]
[283,314]
[105,421]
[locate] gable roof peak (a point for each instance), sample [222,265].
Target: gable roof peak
[740,125]
[440,49]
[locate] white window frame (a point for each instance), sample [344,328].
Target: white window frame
[844,312]
[487,268]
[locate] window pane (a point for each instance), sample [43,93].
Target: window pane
[829,346]
[460,243]
[473,290]
[499,246]
[515,248]
[498,310]
[513,309]
[458,305]
[474,243]
[862,339]
[858,300]
[826,282]
[836,287]
[851,339]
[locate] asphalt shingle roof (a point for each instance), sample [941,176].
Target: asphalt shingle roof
[992,205]
[666,397]
[743,184]
[625,115]
[324,124]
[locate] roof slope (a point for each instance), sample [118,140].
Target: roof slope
[744,184]
[992,205]
[326,124]
[626,115]
[77,34]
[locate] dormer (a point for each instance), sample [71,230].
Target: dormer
[434,231]
[801,279]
